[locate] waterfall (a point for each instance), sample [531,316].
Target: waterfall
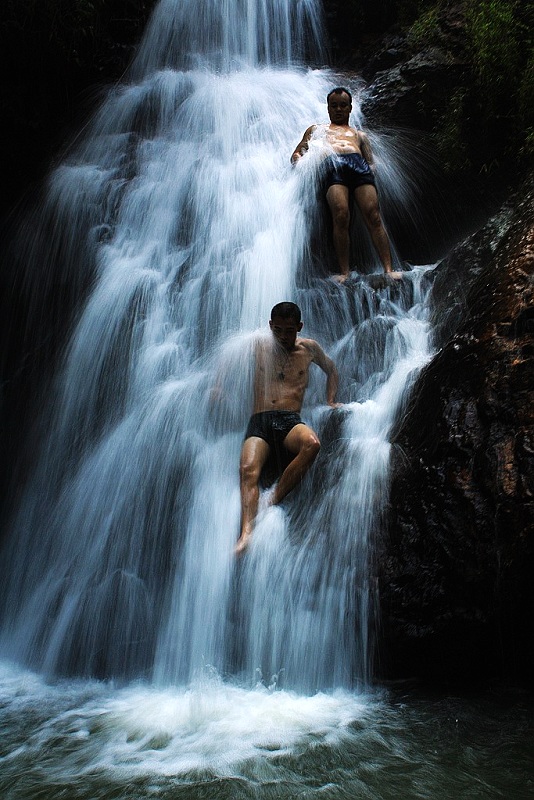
[179,216]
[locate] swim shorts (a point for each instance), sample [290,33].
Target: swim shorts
[272,426]
[349,169]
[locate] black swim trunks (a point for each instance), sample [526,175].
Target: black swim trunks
[350,169]
[272,426]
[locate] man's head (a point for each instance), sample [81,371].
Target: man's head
[339,103]
[285,323]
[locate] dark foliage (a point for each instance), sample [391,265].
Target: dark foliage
[486,119]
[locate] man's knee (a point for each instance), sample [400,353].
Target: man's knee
[249,471]
[341,217]
[373,216]
[310,446]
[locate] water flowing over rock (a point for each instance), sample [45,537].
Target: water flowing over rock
[176,223]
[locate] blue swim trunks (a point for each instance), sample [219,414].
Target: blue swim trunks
[350,169]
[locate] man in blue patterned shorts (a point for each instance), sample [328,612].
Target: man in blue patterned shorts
[280,381]
[348,171]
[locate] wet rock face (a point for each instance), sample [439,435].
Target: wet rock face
[410,82]
[456,569]
[415,92]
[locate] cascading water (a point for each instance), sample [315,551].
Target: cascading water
[190,224]
[166,237]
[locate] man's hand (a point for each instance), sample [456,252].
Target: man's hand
[302,146]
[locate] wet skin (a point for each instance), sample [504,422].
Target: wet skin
[280,385]
[342,138]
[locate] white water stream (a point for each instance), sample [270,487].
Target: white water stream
[181,211]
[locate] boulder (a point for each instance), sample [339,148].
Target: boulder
[455,568]
[416,92]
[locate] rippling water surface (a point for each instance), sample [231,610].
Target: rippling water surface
[92,740]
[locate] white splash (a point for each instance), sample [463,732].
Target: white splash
[181,218]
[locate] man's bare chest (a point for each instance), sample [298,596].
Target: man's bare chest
[342,138]
[290,369]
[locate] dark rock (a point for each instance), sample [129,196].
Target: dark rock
[410,82]
[455,571]
[455,275]
[416,92]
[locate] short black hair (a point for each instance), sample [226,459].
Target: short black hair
[286,311]
[338,90]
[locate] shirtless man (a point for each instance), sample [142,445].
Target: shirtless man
[280,380]
[348,170]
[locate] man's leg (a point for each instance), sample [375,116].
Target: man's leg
[337,198]
[254,454]
[304,443]
[367,198]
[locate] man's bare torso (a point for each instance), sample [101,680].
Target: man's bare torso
[281,377]
[337,138]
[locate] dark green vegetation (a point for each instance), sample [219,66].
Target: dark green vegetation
[489,119]
[498,109]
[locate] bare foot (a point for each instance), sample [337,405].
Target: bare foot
[242,544]
[395,275]
[340,278]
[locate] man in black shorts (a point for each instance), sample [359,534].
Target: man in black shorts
[347,169]
[347,172]
[280,380]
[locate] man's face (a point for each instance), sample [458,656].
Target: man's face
[285,331]
[339,108]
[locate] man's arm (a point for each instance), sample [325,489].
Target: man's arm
[302,146]
[329,368]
